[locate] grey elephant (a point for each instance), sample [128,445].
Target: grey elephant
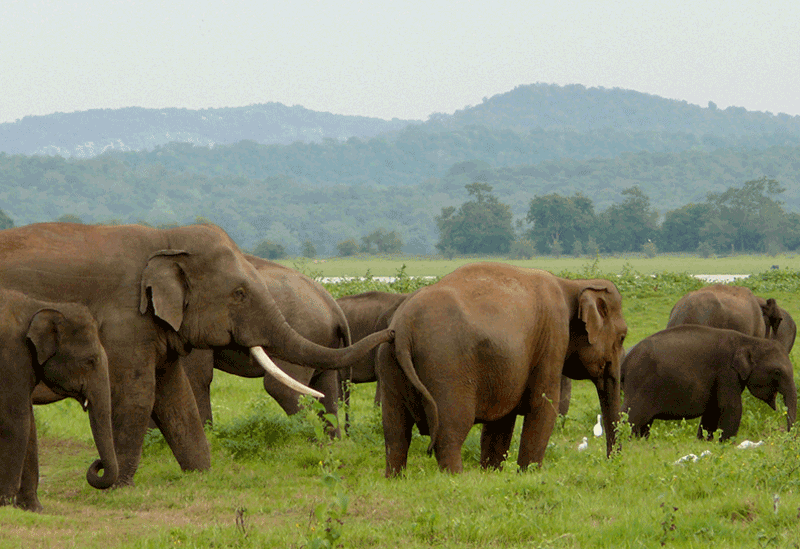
[724,306]
[311,311]
[780,322]
[156,295]
[697,371]
[489,342]
[366,313]
[57,344]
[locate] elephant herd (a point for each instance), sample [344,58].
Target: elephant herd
[132,321]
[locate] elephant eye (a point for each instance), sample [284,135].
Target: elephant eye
[239,295]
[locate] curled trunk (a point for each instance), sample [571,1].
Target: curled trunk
[789,392]
[99,409]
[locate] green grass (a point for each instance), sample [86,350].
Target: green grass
[438,266]
[271,473]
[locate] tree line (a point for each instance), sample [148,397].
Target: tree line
[746,219]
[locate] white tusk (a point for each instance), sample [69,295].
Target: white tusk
[272,369]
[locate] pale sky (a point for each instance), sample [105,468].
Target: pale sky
[389,59]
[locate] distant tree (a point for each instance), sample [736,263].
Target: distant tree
[566,219]
[746,218]
[269,250]
[628,226]
[69,218]
[479,226]
[347,247]
[384,242]
[5,221]
[309,250]
[680,231]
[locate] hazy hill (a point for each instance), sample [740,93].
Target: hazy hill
[563,121]
[89,133]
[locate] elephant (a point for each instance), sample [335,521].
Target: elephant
[724,306]
[156,294]
[694,371]
[369,312]
[366,313]
[311,311]
[780,322]
[488,342]
[57,344]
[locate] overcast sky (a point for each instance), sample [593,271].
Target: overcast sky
[389,59]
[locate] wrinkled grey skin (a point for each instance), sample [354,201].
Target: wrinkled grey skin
[311,311]
[157,294]
[57,344]
[489,342]
[697,371]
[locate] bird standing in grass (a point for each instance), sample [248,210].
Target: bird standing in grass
[583,445]
[598,427]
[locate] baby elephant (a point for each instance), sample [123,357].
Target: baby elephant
[57,344]
[694,371]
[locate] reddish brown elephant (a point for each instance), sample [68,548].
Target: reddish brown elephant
[57,344]
[157,294]
[723,306]
[489,342]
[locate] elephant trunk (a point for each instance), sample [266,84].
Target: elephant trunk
[608,391]
[99,409]
[286,343]
[789,392]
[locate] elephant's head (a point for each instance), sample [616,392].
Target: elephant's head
[71,361]
[772,316]
[597,334]
[208,295]
[766,371]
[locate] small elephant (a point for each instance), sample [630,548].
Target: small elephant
[780,322]
[489,342]
[697,371]
[59,345]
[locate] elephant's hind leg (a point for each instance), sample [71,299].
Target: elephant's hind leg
[496,440]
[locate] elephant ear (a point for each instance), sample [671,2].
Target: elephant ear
[593,310]
[742,363]
[164,285]
[43,332]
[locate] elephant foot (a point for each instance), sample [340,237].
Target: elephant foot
[28,503]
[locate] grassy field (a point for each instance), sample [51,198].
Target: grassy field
[275,483]
[438,266]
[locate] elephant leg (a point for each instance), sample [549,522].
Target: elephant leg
[541,417]
[496,440]
[456,418]
[287,398]
[730,414]
[27,497]
[566,395]
[397,419]
[327,383]
[15,430]
[175,413]
[709,423]
[199,368]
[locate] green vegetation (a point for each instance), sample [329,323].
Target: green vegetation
[277,482]
[534,141]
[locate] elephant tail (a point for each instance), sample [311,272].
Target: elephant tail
[402,349]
